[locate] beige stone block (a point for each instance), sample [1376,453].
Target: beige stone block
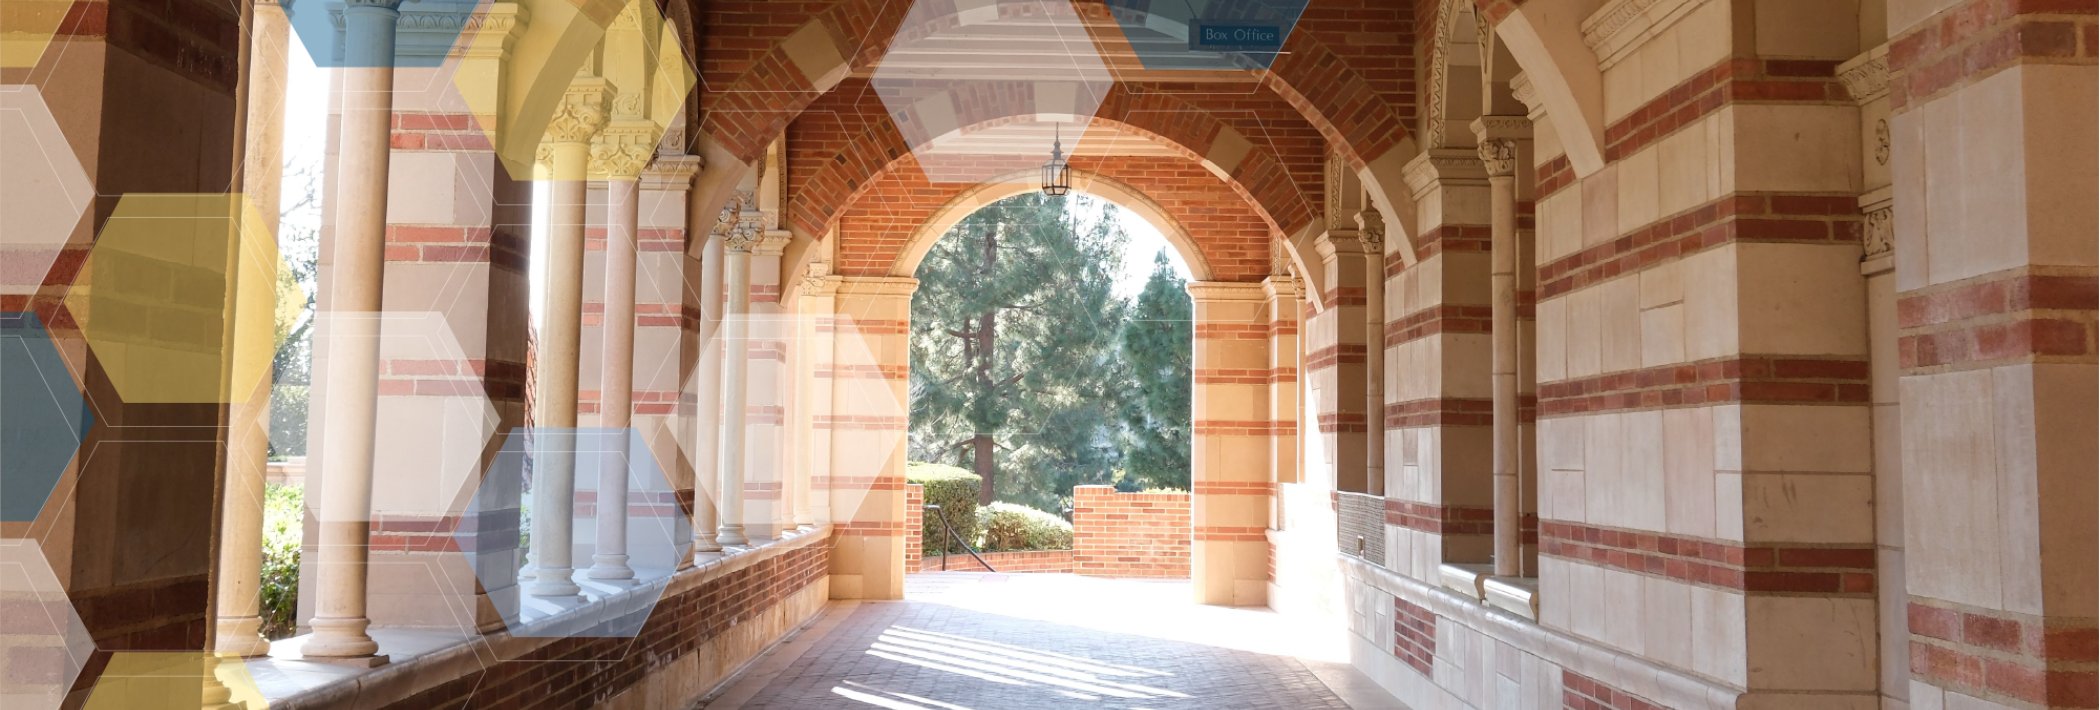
[1662,336]
[1643,488]
[1604,448]
[1666,621]
[1923,137]
[1585,333]
[1888,475]
[1684,164]
[1807,438]
[1703,38]
[1561,495]
[1553,339]
[1662,284]
[1660,65]
[2014,399]
[1710,317]
[1904,14]
[1561,442]
[1587,613]
[2065,449]
[1808,28]
[1728,506]
[1892,605]
[1620,314]
[1464,279]
[1624,608]
[1623,90]
[1992,176]
[1545,143]
[1554,593]
[1796,147]
[1688,466]
[1882,337]
[435,188]
[1600,206]
[1808,508]
[1639,192]
[1466,362]
[2060,164]
[1811,643]
[1718,633]
[1950,462]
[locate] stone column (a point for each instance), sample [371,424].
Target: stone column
[1500,156]
[1229,477]
[707,411]
[239,603]
[578,118]
[812,354]
[620,153]
[871,362]
[1335,357]
[1370,229]
[353,342]
[742,233]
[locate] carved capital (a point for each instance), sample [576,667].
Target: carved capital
[1370,227]
[582,111]
[622,150]
[1866,77]
[1521,89]
[1499,156]
[740,226]
[1880,232]
[671,172]
[818,281]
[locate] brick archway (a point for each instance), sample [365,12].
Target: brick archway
[1021,182]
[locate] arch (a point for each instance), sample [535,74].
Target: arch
[1252,171]
[1019,182]
[1545,37]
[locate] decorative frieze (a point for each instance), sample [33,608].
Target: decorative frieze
[1622,26]
[581,112]
[622,150]
[1880,234]
[1866,77]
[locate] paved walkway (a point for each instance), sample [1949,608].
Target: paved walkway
[977,641]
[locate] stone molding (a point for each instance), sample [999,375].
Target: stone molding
[623,149]
[1443,166]
[436,33]
[1226,291]
[581,112]
[1621,26]
[1866,76]
[671,172]
[1521,89]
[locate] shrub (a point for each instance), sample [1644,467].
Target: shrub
[284,525]
[955,491]
[1015,527]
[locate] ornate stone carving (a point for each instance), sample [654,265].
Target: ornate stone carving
[1499,155]
[580,114]
[818,281]
[1370,227]
[628,105]
[1881,141]
[1439,75]
[622,150]
[739,226]
[1622,25]
[1521,89]
[1866,77]
[1880,232]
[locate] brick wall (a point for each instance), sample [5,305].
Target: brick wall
[1018,561]
[914,525]
[1129,534]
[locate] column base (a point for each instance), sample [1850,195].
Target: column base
[554,582]
[342,641]
[732,536]
[241,636]
[609,568]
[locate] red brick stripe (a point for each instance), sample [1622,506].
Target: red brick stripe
[1414,635]
[1243,427]
[1741,217]
[1343,423]
[1581,692]
[2015,316]
[1738,80]
[1836,569]
[1345,296]
[864,372]
[1230,533]
[1440,519]
[1443,238]
[1552,176]
[1234,488]
[1987,652]
[1440,318]
[1337,354]
[1764,379]
[839,422]
[1978,38]
[864,326]
[872,483]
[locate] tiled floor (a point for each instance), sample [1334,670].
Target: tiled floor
[975,641]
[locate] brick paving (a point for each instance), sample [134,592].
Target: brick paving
[973,641]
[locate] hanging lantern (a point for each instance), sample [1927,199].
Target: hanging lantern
[1057,174]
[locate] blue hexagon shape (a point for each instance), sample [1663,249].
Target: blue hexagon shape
[1206,35]
[43,418]
[491,531]
[424,33]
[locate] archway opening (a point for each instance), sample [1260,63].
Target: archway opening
[1051,370]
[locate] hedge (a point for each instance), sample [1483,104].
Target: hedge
[1016,527]
[955,491]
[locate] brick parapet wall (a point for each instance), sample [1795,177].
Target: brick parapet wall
[1130,534]
[914,525]
[1015,561]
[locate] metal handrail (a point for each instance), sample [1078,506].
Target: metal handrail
[943,515]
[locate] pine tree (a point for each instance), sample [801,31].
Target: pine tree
[1156,346]
[1014,327]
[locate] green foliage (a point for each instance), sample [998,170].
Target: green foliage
[284,523]
[955,491]
[1156,346]
[1014,331]
[1013,527]
[287,421]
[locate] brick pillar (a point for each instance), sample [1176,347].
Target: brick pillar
[1231,442]
[870,366]
[1335,359]
[1438,410]
[766,510]
[457,231]
[914,526]
[1991,135]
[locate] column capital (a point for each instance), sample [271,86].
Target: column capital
[671,172]
[1499,156]
[582,111]
[1370,229]
[1499,136]
[1443,167]
[1215,291]
[739,226]
[623,149]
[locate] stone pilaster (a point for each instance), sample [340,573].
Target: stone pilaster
[870,366]
[1230,444]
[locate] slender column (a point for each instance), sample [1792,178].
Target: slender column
[239,603]
[352,376]
[813,345]
[622,164]
[579,117]
[737,245]
[1370,228]
[1500,156]
[707,416]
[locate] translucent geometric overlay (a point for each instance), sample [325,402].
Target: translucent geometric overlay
[424,33]
[45,188]
[434,418]
[43,645]
[26,28]
[490,531]
[1207,35]
[43,418]
[154,303]
[985,87]
[173,680]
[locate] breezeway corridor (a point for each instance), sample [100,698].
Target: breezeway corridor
[977,641]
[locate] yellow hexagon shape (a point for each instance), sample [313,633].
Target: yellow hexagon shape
[514,97]
[26,28]
[178,298]
[174,680]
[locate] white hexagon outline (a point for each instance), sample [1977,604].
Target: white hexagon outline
[39,210]
[24,569]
